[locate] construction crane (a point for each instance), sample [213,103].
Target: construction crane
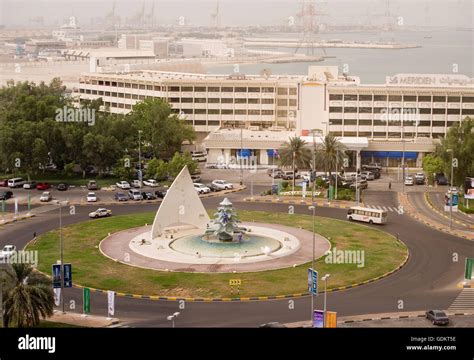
[150,18]
[309,26]
[215,16]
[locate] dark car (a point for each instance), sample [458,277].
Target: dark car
[62,187]
[438,317]
[376,173]
[6,195]
[120,196]
[213,187]
[441,180]
[43,186]
[3,183]
[195,178]
[161,193]
[148,195]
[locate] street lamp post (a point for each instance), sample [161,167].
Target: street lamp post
[172,317]
[450,190]
[313,209]
[403,156]
[337,166]
[325,279]
[61,251]
[140,176]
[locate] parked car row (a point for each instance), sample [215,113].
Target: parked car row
[134,194]
[418,179]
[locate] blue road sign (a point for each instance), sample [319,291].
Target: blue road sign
[56,276]
[67,275]
[312,281]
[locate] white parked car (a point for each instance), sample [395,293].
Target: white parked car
[201,188]
[101,212]
[136,183]
[134,194]
[7,251]
[368,175]
[91,197]
[46,196]
[222,184]
[409,180]
[123,185]
[151,183]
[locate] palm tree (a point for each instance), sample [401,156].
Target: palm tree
[29,297]
[330,155]
[294,153]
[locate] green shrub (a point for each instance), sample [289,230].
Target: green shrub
[284,184]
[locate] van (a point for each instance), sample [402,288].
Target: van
[16,182]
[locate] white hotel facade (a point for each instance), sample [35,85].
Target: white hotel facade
[409,113]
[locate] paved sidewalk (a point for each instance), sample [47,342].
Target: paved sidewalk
[412,211]
[80,320]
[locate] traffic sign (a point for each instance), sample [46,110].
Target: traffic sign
[235,282]
[312,281]
[67,275]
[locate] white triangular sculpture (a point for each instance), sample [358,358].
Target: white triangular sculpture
[181,206]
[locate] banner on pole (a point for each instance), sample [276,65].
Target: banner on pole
[86,303]
[111,302]
[57,296]
[469,267]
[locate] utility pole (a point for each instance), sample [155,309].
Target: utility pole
[241,150]
[61,249]
[313,208]
[140,175]
[450,190]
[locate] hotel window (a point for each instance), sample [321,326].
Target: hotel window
[365,110]
[380,97]
[135,96]
[282,102]
[267,112]
[335,96]
[379,110]
[468,111]
[254,89]
[380,134]
[213,123]
[128,106]
[200,100]
[439,111]
[365,97]
[213,111]
[120,95]
[409,98]
[141,97]
[254,112]
[380,122]
[101,82]
[157,88]
[128,96]
[282,113]
[214,89]
[227,112]
[333,109]
[187,88]
[361,122]
[81,90]
[350,121]
[227,89]
[424,111]
[282,91]
[173,88]
[107,83]
[336,122]
[213,100]
[468,99]
[200,111]
[454,99]
[268,101]
[100,92]
[134,86]
[186,111]
[127,85]
[227,101]
[454,111]
[439,98]
[114,83]
[149,87]
[114,94]
[424,123]
[350,110]
[142,87]
[395,98]
[200,89]
[186,100]
[365,133]
[292,91]
[268,90]
[199,122]
[350,134]
[241,101]
[439,123]
[240,112]
[107,93]
[174,100]
[120,84]
[337,133]
[424,98]
[350,97]
[254,101]
[292,102]
[240,89]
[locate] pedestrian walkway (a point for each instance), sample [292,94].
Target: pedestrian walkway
[464,301]
[385,208]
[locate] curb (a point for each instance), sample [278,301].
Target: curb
[295,202]
[420,315]
[4,222]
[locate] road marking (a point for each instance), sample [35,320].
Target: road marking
[464,301]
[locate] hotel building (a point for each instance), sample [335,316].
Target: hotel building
[257,113]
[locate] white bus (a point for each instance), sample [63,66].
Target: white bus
[372,216]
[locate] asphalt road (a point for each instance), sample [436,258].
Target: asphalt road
[428,280]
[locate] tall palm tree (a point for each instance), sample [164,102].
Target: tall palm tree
[330,155]
[29,297]
[294,153]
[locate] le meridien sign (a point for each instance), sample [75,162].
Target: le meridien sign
[429,80]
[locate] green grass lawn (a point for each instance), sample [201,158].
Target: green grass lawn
[90,268]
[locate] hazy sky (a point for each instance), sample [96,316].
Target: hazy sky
[241,12]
